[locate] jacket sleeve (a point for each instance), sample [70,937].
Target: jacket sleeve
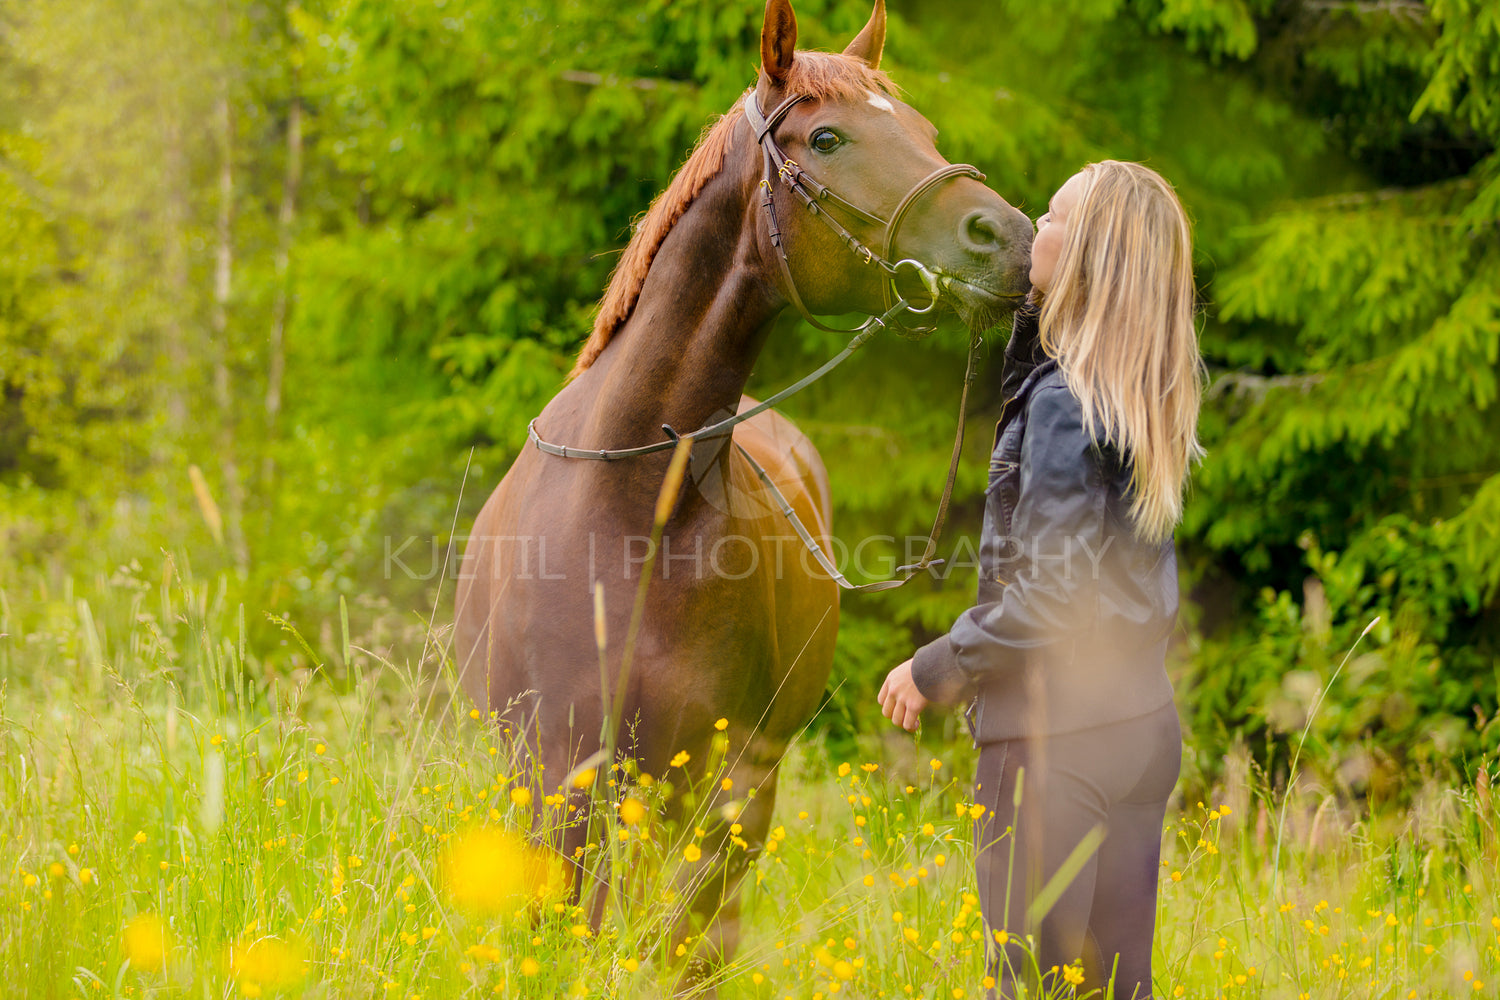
[1059,536]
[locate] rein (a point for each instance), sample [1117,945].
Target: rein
[811,193]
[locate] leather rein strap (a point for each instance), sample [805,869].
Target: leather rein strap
[937,525]
[812,194]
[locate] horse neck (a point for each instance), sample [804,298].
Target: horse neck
[705,309]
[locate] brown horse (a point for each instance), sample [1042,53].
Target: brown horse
[738,624]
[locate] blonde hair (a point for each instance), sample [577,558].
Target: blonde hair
[1119,318]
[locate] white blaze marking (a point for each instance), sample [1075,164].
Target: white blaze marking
[876,101]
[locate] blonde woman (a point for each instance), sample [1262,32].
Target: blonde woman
[1062,658]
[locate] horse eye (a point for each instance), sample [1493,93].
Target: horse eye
[826,140]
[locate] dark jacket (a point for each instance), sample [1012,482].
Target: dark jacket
[1070,626]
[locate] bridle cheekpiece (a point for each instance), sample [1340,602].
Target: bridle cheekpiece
[814,195]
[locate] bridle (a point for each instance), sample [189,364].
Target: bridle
[814,195]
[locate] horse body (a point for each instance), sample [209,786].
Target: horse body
[739,622]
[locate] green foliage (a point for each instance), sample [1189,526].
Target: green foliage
[1367,429]
[1373,670]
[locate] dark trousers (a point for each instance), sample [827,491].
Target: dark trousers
[1118,777]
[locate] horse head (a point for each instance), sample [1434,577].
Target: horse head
[861,205]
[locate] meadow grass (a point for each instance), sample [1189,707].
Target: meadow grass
[190,808]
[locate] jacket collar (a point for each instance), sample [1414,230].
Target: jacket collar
[1012,406]
[1036,375]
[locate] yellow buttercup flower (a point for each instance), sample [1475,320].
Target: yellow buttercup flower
[145,942]
[489,871]
[692,853]
[267,962]
[632,811]
[483,953]
[721,725]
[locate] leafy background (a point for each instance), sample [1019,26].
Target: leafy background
[281,284]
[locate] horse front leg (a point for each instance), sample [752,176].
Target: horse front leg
[735,822]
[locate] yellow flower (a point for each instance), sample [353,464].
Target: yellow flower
[681,758]
[520,797]
[57,869]
[721,725]
[267,962]
[85,875]
[632,811]
[140,837]
[145,942]
[529,966]
[1073,974]
[844,770]
[585,778]
[216,740]
[489,871]
[483,952]
[320,749]
[935,764]
[727,784]
[976,811]
[843,970]
[691,853]
[428,933]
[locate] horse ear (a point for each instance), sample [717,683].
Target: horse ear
[870,42]
[778,40]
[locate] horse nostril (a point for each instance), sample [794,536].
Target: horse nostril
[980,231]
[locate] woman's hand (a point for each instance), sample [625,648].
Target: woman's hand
[900,701]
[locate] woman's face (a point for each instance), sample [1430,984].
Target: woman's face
[1052,232]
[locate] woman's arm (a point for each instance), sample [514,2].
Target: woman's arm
[1058,543]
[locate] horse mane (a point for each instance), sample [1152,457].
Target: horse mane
[820,75]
